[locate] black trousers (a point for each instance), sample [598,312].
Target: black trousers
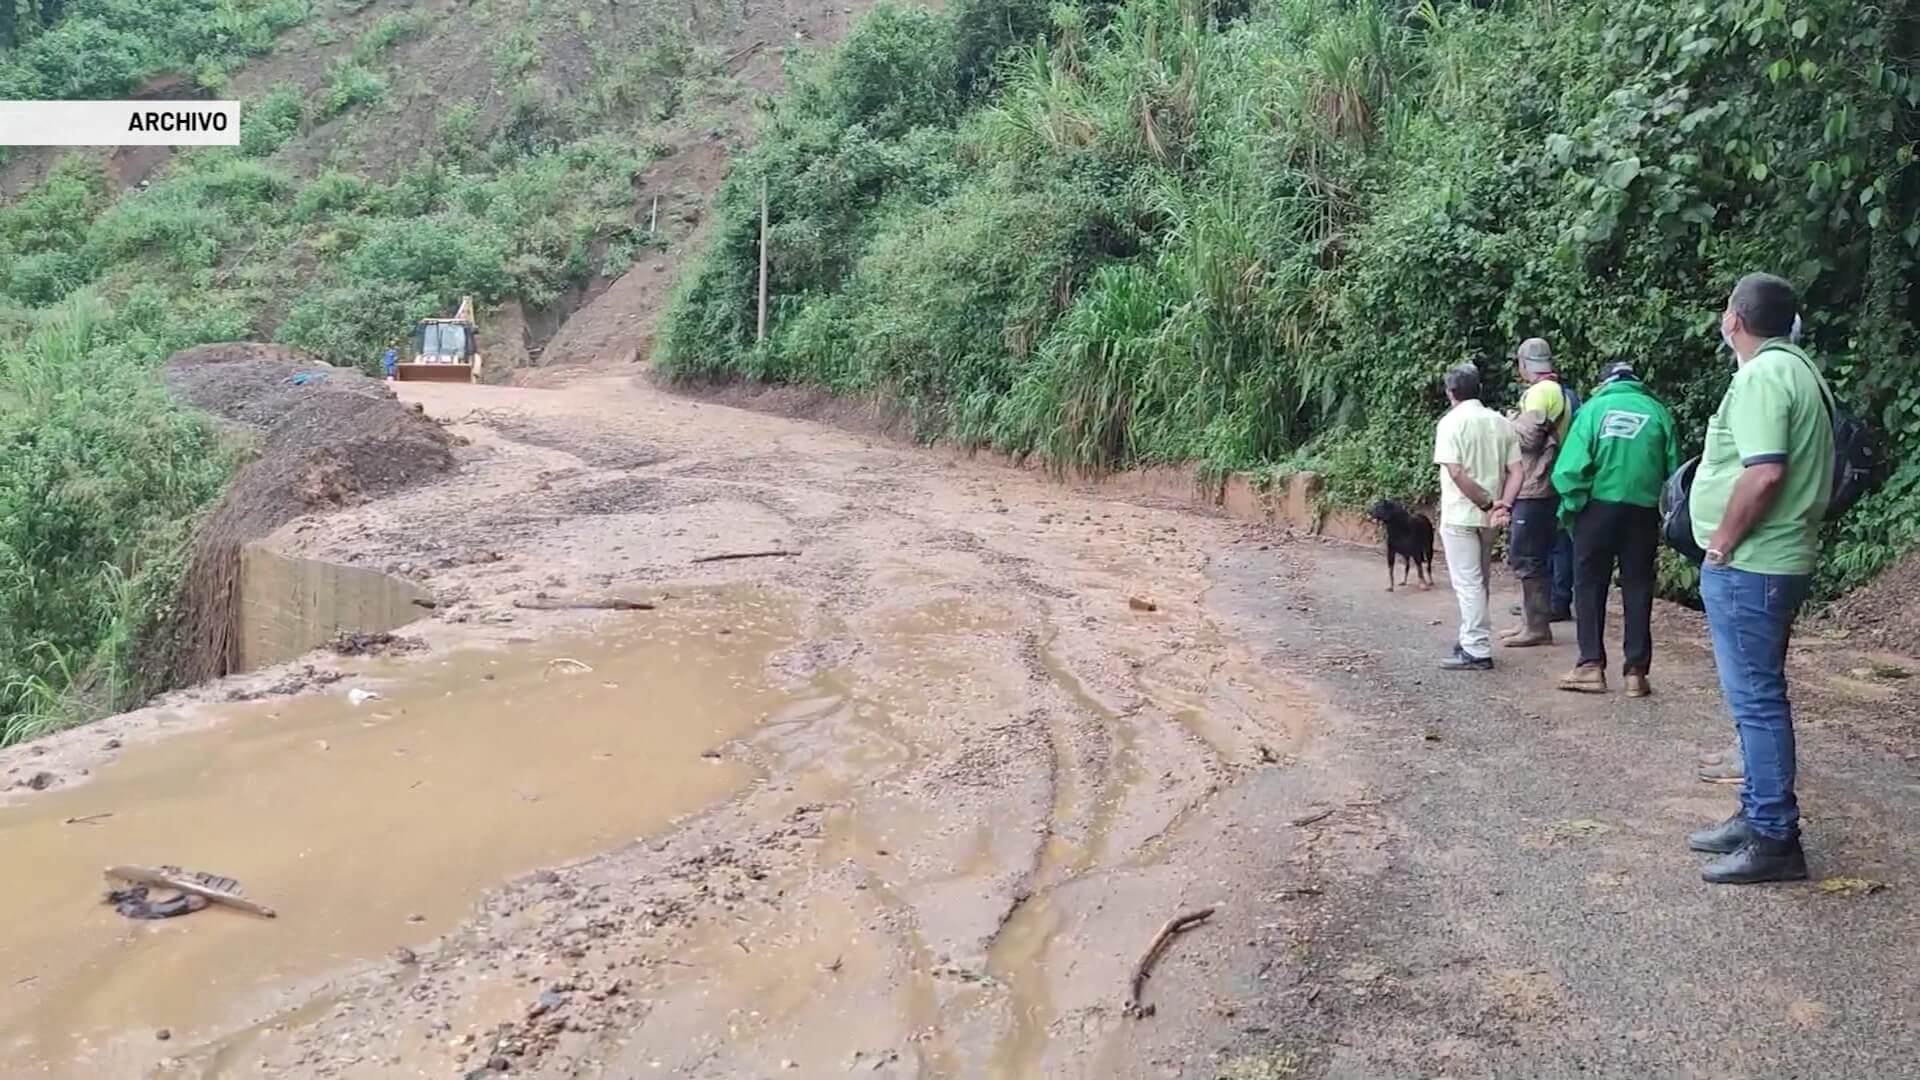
[1530,536]
[1606,535]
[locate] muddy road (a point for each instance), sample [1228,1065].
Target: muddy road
[912,800]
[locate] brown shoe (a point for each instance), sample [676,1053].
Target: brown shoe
[1585,680]
[1637,685]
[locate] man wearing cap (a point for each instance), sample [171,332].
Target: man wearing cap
[1529,500]
[1619,452]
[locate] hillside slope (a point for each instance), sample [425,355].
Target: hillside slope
[394,157]
[1254,236]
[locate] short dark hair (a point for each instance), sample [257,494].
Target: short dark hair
[1463,382]
[1766,305]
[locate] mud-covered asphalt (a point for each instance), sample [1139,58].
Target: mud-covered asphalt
[1539,914]
[977,740]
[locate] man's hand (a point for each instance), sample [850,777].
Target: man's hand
[1502,517]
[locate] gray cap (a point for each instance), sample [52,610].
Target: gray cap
[1536,354]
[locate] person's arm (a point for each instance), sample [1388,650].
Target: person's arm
[1516,477]
[1759,418]
[1469,487]
[1510,494]
[1753,495]
[1533,429]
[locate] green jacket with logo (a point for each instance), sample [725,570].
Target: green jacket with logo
[1621,448]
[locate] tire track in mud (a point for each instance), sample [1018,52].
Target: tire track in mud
[982,781]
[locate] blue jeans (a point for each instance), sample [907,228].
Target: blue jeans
[1562,563]
[1751,617]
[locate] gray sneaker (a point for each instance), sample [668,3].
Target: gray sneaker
[1727,768]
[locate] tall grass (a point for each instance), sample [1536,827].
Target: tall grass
[1170,230]
[101,474]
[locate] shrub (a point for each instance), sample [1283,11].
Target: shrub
[101,475]
[268,123]
[1262,233]
[350,83]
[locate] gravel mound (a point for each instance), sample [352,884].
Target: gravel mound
[326,437]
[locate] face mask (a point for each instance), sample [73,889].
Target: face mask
[1726,338]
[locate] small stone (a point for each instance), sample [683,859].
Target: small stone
[405,957]
[1141,603]
[163,1034]
[112,744]
[416,918]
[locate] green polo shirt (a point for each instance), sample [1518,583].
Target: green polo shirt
[1774,411]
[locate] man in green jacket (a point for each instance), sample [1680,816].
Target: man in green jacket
[1619,452]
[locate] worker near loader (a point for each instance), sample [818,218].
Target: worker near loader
[1618,454]
[1529,505]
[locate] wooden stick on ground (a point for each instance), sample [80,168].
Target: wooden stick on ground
[774,554]
[1174,927]
[216,890]
[585,603]
[753,48]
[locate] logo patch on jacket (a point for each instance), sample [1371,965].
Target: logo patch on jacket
[1622,425]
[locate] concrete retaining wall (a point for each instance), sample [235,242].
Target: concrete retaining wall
[1290,503]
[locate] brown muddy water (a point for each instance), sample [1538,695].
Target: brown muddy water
[367,826]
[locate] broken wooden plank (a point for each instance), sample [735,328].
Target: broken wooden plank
[211,887]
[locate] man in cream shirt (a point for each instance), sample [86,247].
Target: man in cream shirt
[1477,452]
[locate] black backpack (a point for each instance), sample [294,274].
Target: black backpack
[1856,469]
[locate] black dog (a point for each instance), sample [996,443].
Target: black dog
[1409,537]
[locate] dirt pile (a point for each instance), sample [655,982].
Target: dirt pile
[1887,609]
[328,437]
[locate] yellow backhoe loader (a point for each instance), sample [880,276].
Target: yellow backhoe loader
[444,350]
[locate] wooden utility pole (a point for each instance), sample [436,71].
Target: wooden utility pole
[763,261]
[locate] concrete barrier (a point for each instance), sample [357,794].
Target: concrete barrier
[289,605]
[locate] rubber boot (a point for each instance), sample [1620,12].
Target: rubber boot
[1537,599]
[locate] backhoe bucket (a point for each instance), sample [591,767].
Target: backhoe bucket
[459,373]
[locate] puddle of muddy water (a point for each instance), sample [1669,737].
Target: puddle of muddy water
[367,827]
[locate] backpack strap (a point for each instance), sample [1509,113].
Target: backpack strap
[1819,380]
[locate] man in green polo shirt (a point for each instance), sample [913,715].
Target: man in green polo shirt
[1757,501]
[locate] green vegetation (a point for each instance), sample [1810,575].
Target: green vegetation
[365,194]
[1253,236]
[101,475]
[82,49]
